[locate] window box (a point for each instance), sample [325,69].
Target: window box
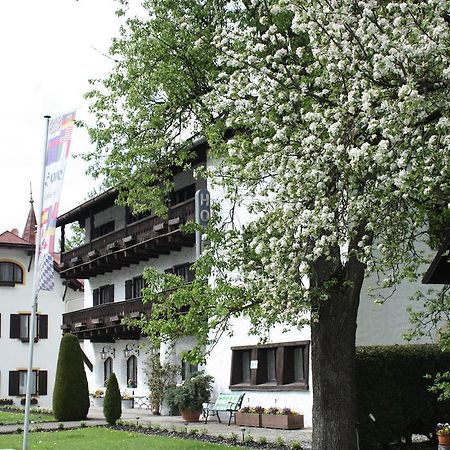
[282,421]
[248,419]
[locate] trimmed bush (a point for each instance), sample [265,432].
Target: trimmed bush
[71,394]
[392,385]
[112,404]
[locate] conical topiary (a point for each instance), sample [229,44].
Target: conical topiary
[112,404]
[71,393]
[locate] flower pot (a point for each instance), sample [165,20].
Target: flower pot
[189,415]
[98,401]
[127,404]
[444,439]
[282,421]
[248,419]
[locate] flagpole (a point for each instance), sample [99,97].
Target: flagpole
[32,330]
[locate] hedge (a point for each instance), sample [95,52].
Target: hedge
[392,385]
[71,393]
[112,403]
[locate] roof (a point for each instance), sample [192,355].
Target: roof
[29,231]
[107,199]
[9,239]
[439,270]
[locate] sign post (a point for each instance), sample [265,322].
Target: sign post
[202,216]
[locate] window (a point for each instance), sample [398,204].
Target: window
[20,326]
[188,369]
[107,369]
[183,194]
[101,230]
[10,274]
[18,382]
[103,294]
[184,271]
[132,372]
[133,288]
[280,366]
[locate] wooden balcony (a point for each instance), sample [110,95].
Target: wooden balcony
[139,241]
[103,323]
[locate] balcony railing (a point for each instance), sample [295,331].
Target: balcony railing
[138,241]
[105,321]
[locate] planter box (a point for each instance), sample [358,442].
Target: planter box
[127,404]
[98,401]
[282,422]
[248,419]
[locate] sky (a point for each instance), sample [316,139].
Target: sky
[49,51]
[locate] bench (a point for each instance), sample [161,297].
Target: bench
[224,403]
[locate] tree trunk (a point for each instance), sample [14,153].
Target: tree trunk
[333,362]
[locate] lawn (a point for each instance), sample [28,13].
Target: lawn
[15,417]
[102,439]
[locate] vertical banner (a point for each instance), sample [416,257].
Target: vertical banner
[57,152]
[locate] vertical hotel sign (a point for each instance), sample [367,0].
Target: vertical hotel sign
[57,152]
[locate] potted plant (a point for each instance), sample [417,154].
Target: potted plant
[443,434]
[97,397]
[189,397]
[127,401]
[249,416]
[282,418]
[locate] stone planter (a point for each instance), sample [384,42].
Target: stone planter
[282,422]
[189,415]
[97,401]
[248,419]
[127,404]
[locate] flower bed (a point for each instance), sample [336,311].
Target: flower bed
[283,419]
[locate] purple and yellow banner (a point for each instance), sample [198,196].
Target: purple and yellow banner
[57,152]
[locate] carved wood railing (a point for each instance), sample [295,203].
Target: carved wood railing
[108,314]
[142,230]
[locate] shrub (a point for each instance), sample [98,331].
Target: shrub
[191,394]
[392,385]
[112,405]
[33,401]
[71,394]
[6,401]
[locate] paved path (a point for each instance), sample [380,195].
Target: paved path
[145,417]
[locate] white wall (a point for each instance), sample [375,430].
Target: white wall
[18,299]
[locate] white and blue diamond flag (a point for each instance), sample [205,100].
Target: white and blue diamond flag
[46,280]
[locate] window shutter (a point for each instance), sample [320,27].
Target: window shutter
[128,289]
[111,293]
[190,274]
[13,383]
[236,367]
[43,326]
[95,296]
[261,373]
[42,382]
[288,365]
[14,326]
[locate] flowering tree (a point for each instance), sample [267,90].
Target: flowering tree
[329,123]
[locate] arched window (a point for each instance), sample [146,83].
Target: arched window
[132,372]
[10,274]
[107,369]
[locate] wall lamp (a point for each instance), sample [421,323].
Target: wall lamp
[107,351]
[130,349]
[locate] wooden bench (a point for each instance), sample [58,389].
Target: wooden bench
[224,403]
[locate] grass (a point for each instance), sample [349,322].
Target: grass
[13,417]
[104,439]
